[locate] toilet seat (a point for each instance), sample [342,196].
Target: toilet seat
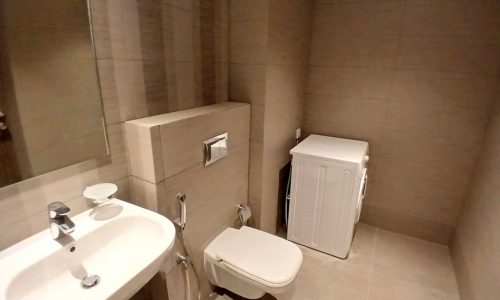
[259,256]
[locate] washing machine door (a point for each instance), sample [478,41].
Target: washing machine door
[362,192]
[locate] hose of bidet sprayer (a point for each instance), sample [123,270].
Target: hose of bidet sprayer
[185,260]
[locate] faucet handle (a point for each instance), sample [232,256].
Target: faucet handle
[57,209]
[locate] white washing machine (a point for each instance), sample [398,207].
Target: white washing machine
[329,178]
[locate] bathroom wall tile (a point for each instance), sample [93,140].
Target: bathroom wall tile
[148,85]
[284,104]
[191,5]
[346,50]
[462,274]
[476,277]
[346,109]
[409,225]
[289,30]
[228,177]
[187,150]
[109,29]
[175,278]
[17,45]
[115,82]
[444,89]
[279,111]
[427,149]
[375,18]
[247,83]
[257,123]
[20,230]
[116,138]
[437,91]
[185,30]
[144,145]
[248,10]
[51,15]
[255,180]
[143,29]
[355,82]
[31,216]
[248,42]
[222,9]
[448,54]
[221,35]
[430,203]
[187,85]
[452,18]
[44,188]
[453,123]
[284,84]
[269,197]
[221,82]
[475,243]
[416,164]
[346,1]
[275,156]
[146,194]
[282,134]
[339,116]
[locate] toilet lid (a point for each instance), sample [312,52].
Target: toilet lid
[260,256]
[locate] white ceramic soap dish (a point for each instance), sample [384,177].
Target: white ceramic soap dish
[100,193]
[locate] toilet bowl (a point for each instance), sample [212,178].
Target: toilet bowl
[250,262]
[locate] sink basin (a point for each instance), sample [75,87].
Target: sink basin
[123,244]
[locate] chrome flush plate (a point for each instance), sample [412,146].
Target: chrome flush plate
[215,148]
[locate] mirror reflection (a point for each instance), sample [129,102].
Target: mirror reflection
[51,110]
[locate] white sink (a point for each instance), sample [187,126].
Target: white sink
[125,245]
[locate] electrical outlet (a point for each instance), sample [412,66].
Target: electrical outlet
[297,133]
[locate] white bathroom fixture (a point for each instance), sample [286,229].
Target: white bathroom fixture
[114,250]
[328,185]
[250,262]
[101,192]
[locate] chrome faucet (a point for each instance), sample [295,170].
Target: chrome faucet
[60,224]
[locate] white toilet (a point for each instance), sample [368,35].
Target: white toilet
[250,262]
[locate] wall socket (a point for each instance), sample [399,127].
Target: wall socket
[297,133]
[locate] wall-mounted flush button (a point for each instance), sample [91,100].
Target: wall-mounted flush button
[215,148]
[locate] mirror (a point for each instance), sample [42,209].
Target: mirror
[50,103]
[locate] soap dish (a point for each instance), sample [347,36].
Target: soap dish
[100,193]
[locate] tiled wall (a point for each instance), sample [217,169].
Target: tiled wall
[476,245]
[148,56]
[248,44]
[415,78]
[269,49]
[151,52]
[166,154]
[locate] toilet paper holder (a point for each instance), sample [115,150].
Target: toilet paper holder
[244,213]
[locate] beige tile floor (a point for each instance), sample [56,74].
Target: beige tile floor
[381,265]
